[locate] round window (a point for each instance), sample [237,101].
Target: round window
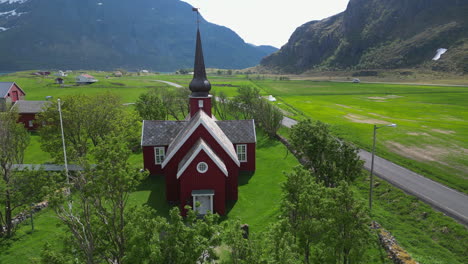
[202,167]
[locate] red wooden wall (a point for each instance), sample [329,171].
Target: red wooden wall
[213,179]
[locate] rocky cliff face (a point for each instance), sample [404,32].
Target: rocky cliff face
[380,34]
[107,34]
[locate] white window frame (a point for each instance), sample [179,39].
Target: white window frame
[159,155]
[202,167]
[241,150]
[30,123]
[200,103]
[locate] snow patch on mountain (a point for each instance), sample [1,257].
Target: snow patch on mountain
[13,1]
[11,13]
[439,53]
[3,29]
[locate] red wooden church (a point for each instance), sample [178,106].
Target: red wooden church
[200,157]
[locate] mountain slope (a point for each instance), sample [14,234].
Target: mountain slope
[380,34]
[106,34]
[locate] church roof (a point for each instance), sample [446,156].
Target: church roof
[201,118]
[194,151]
[162,133]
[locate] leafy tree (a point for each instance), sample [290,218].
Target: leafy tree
[220,105]
[87,120]
[150,106]
[242,250]
[95,214]
[331,160]
[18,189]
[350,226]
[279,244]
[268,116]
[175,101]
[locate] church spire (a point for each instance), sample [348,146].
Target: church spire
[200,86]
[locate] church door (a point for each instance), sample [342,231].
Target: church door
[203,201]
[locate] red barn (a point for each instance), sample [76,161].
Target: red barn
[10,92]
[27,111]
[201,157]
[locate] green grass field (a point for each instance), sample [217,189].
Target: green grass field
[432,132]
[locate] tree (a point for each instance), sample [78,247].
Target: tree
[331,160]
[268,116]
[327,224]
[96,212]
[18,189]
[150,106]
[87,120]
[175,102]
[350,226]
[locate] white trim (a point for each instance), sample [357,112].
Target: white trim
[222,167]
[163,149]
[187,135]
[245,152]
[255,132]
[142,131]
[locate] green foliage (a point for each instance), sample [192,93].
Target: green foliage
[328,224]
[330,160]
[150,106]
[153,239]
[95,210]
[87,120]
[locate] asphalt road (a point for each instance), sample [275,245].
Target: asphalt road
[447,200]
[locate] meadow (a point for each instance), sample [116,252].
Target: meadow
[429,236]
[431,136]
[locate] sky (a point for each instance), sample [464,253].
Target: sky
[266,22]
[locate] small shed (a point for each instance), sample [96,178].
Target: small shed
[28,111]
[59,80]
[118,74]
[85,79]
[10,92]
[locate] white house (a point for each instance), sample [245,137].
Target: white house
[85,79]
[61,74]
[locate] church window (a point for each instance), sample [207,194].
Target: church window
[159,155]
[241,152]
[202,167]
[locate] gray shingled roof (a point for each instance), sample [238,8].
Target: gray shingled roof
[239,131]
[4,88]
[29,107]
[162,133]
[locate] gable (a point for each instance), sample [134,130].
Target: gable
[199,147]
[5,88]
[201,119]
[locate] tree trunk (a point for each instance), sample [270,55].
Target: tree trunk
[8,223]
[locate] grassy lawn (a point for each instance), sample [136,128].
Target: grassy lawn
[428,235]
[431,136]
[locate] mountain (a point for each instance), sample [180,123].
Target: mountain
[377,34]
[109,34]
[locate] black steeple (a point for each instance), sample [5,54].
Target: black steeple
[200,86]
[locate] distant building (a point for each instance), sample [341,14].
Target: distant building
[28,110]
[118,74]
[59,81]
[85,79]
[144,71]
[10,92]
[61,74]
